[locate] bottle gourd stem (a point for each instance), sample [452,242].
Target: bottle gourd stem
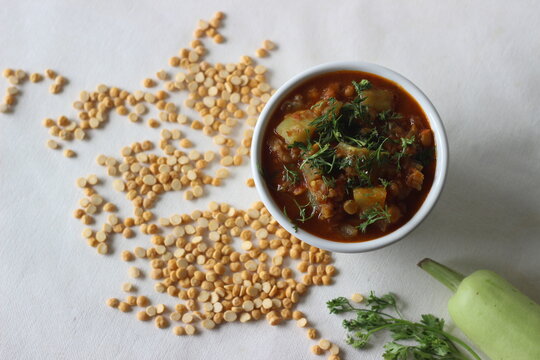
[448,277]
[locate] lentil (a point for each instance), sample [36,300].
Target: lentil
[217,283]
[357,298]
[113,302]
[315,349]
[312,333]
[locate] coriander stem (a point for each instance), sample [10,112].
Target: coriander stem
[398,322]
[372,311]
[459,341]
[445,334]
[397,311]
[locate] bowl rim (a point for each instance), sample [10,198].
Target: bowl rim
[436,125]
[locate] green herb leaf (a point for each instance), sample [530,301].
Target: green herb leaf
[379,154]
[396,351]
[426,340]
[385,183]
[295,227]
[355,110]
[339,305]
[329,125]
[290,176]
[372,215]
[405,143]
[432,321]
[388,115]
[329,181]
[303,211]
[323,160]
[380,303]
[361,86]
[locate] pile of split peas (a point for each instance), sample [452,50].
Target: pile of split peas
[191,257]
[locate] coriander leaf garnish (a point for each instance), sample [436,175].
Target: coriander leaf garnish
[303,216]
[360,165]
[322,160]
[329,181]
[426,339]
[361,86]
[379,153]
[328,125]
[364,177]
[290,176]
[358,142]
[385,183]
[300,145]
[345,162]
[355,109]
[387,115]
[295,227]
[317,105]
[285,213]
[372,215]
[405,143]
[372,141]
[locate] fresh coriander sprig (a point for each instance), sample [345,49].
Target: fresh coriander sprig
[372,215]
[330,182]
[295,227]
[355,109]
[303,215]
[323,160]
[290,176]
[379,154]
[405,143]
[385,183]
[430,341]
[329,125]
[387,115]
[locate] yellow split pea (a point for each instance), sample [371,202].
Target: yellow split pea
[183,264]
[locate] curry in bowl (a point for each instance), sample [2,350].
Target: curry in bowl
[348,156]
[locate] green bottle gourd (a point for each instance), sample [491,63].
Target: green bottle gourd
[498,318]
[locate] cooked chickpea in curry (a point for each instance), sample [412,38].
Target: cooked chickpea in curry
[349,156]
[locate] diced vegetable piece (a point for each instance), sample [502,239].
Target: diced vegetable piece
[367,198]
[295,127]
[344,150]
[415,179]
[426,137]
[395,214]
[378,100]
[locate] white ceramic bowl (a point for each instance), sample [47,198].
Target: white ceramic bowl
[440,144]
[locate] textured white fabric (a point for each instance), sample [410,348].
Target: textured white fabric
[477,61]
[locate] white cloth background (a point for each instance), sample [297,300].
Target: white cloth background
[477,61]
